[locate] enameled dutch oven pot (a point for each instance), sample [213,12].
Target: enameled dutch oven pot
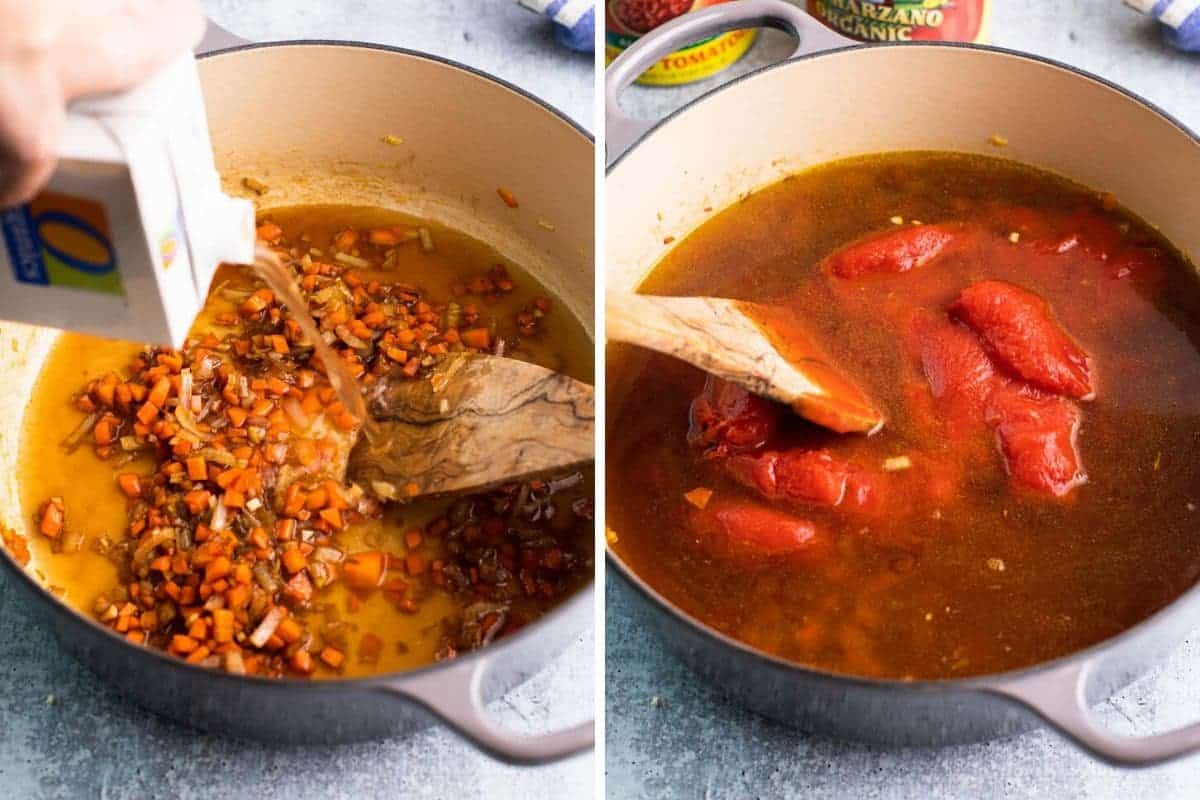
[832,100]
[308,119]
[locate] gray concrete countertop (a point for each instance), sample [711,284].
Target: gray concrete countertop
[63,734]
[670,734]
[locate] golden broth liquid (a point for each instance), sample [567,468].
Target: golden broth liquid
[990,578]
[96,508]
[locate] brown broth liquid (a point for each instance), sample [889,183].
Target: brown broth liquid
[96,508]
[917,592]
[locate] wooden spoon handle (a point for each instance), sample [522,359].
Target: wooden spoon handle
[479,422]
[708,332]
[739,342]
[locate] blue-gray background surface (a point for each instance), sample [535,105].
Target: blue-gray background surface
[64,735]
[670,735]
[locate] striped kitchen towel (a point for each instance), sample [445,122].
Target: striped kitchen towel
[1180,20]
[574,21]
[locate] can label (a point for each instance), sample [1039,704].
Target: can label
[905,20]
[627,20]
[61,240]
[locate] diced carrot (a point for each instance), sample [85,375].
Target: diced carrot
[293,560]
[219,567]
[222,625]
[333,657]
[699,497]
[256,303]
[198,655]
[159,392]
[106,394]
[385,237]
[333,495]
[508,197]
[285,530]
[279,344]
[234,498]
[364,570]
[333,517]
[237,416]
[197,468]
[269,232]
[345,420]
[198,630]
[293,500]
[183,644]
[302,662]
[238,596]
[289,630]
[130,485]
[413,538]
[480,338]
[317,499]
[414,563]
[345,239]
[197,501]
[52,517]
[103,433]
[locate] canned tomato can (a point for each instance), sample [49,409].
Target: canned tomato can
[906,20]
[627,20]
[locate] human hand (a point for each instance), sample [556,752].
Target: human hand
[54,51]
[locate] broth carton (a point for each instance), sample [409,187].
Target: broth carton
[124,240]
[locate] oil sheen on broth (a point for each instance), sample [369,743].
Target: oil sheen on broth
[985,577]
[410,635]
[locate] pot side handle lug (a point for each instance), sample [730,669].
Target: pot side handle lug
[623,130]
[1058,696]
[454,694]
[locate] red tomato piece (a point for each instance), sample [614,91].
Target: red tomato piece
[1037,434]
[862,489]
[1019,330]
[959,372]
[803,476]
[898,250]
[725,419]
[760,528]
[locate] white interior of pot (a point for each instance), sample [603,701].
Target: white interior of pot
[886,99]
[309,121]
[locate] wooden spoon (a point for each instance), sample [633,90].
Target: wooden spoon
[759,347]
[477,422]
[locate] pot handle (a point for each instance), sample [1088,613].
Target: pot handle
[454,694]
[622,130]
[1058,696]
